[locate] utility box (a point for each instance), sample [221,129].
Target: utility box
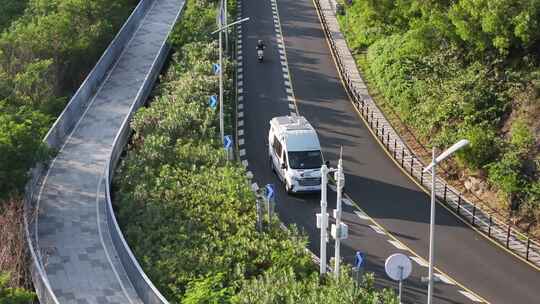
[320,220]
[343,232]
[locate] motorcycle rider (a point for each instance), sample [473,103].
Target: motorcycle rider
[260,45]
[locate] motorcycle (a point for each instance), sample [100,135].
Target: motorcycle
[260,55]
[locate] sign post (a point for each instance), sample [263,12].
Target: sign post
[359,261]
[212,102]
[270,198]
[227,144]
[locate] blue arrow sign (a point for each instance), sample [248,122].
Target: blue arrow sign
[359,259]
[227,141]
[269,191]
[216,68]
[212,102]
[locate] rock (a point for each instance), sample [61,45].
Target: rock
[475,185]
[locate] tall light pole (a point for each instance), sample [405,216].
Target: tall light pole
[223,27]
[433,165]
[340,178]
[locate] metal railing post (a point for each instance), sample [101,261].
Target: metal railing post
[445,189]
[489,228]
[508,236]
[473,213]
[528,247]
[459,204]
[402,156]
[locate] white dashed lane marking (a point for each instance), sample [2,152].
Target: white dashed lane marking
[241,141]
[362,215]
[245,163]
[397,244]
[240,132]
[419,261]
[242,152]
[444,279]
[241,123]
[377,229]
[470,296]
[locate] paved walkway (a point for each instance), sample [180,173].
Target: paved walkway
[72,234]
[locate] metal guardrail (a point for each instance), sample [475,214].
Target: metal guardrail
[484,219]
[57,135]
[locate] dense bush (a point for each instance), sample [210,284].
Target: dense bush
[189,215]
[454,69]
[9,295]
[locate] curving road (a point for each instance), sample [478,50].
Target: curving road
[373,181]
[76,249]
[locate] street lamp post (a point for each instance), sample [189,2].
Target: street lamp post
[340,180]
[222,28]
[433,165]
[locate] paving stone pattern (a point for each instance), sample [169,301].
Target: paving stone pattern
[477,215]
[76,249]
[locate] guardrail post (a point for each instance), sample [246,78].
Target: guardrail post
[458,204]
[395,148]
[421,176]
[473,213]
[388,140]
[376,124]
[528,247]
[445,189]
[489,227]
[412,163]
[402,156]
[508,236]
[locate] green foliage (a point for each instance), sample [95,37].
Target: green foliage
[497,25]
[449,69]
[483,146]
[198,21]
[11,10]
[10,295]
[282,286]
[522,139]
[20,146]
[505,173]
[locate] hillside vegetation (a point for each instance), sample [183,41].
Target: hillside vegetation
[46,50]
[461,69]
[190,216]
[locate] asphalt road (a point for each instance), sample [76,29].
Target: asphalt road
[372,180]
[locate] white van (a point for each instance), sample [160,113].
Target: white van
[295,153]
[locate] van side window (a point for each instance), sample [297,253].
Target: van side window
[277,146]
[285,159]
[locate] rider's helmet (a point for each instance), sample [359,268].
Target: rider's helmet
[260,42]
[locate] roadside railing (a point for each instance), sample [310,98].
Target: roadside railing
[491,223]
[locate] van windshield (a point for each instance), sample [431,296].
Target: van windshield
[305,159]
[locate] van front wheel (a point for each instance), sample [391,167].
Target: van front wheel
[288,188]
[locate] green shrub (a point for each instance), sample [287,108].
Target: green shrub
[483,147]
[506,173]
[10,295]
[521,140]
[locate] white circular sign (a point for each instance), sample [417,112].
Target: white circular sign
[398,266]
